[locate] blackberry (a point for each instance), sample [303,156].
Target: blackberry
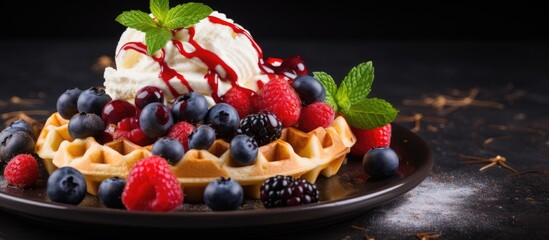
[272,189]
[302,192]
[264,127]
[285,191]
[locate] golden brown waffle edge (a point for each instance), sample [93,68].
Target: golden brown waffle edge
[295,153]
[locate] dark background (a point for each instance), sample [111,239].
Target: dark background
[482,53]
[380,20]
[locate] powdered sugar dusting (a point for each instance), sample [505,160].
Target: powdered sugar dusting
[433,204]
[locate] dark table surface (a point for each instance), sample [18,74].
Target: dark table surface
[507,83]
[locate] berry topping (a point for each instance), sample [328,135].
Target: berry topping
[152,186]
[279,98]
[15,143]
[67,103]
[380,162]
[110,191]
[271,188]
[309,89]
[156,120]
[92,100]
[168,148]
[284,191]
[296,64]
[264,127]
[66,185]
[116,110]
[224,119]
[369,118]
[289,67]
[319,114]
[148,94]
[181,132]
[223,195]
[129,129]
[202,137]
[85,125]
[190,107]
[18,125]
[302,192]
[242,99]
[22,171]
[105,136]
[367,139]
[243,150]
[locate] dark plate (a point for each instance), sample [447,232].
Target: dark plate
[350,193]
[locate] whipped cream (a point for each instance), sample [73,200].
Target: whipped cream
[209,58]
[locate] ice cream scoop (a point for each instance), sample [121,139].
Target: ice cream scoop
[209,57]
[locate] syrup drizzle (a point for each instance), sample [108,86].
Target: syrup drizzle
[166,73]
[212,60]
[213,80]
[240,30]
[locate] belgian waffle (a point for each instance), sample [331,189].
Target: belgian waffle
[295,153]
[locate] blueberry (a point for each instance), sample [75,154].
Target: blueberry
[110,191]
[309,89]
[202,137]
[155,120]
[85,125]
[380,162]
[168,148]
[92,100]
[18,125]
[66,185]
[15,143]
[191,107]
[224,119]
[223,194]
[67,103]
[243,150]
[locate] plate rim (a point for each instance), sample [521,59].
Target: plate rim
[345,208]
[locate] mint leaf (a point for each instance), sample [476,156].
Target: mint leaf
[137,20]
[185,15]
[330,87]
[158,33]
[159,8]
[156,39]
[356,86]
[370,113]
[350,99]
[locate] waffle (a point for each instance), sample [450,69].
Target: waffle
[295,153]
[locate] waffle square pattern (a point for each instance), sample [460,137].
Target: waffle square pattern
[295,153]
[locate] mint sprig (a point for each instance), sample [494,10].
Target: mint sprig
[370,113]
[330,87]
[356,85]
[158,30]
[350,98]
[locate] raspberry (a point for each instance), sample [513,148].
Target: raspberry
[151,186]
[129,129]
[22,171]
[279,98]
[367,139]
[181,132]
[242,99]
[319,114]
